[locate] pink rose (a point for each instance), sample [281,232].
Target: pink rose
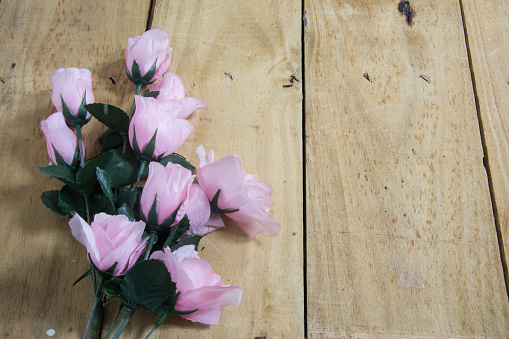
[200,287]
[153,115]
[59,136]
[71,83]
[146,49]
[110,239]
[170,87]
[238,191]
[169,184]
[197,208]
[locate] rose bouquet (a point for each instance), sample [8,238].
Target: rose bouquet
[139,208]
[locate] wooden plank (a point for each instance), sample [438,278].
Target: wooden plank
[39,259]
[238,56]
[401,240]
[487,24]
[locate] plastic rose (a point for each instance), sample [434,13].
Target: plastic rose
[111,239]
[59,137]
[197,209]
[200,287]
[71,84]
[170,87]
[245,192]
[149,48]
[158,116]
[167,186]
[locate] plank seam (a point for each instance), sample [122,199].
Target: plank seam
[304,188]
[486,158]
[150,17]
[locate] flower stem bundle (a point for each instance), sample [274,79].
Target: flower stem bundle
[139,208]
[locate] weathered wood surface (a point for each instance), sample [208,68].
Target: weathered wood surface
[240,76]
[401,238]
[487,24]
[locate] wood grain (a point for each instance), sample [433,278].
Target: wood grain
[39,259]
[238,56]
[487,24]
[401,240]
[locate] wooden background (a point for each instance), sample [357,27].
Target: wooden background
[385,143]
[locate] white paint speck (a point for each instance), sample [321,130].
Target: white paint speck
[405,278]
[50,332]
[73,260]
[494,52]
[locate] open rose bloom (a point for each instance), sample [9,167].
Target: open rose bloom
[200,287]
[245,192]
[111,239]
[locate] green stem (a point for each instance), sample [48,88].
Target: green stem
[96,310]
[120,306]
[80,146]
[128,312]
[150,244]
[140,174]
[138,91]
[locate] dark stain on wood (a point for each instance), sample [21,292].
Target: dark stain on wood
[113,81]
[425,78]
[405,9]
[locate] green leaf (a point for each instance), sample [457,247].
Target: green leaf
[215,209]
[147,284]
[152,94]
[59,158]
[148,151]
[69,117]
[112,116]
[127,211]
[177,231]
[71,201]
[152,213]
[97,202]
[112,287]
[189,240]
[177,159]
[135,71]
[122,169]
[62,173]
[50,200]
[87,175]
[83,276]
[111,139]
[82,112]
[105,182]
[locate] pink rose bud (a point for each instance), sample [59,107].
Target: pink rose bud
[200,287]
[169,184]
[59,137]
[145,50]
[154,115]
[245,192]
[170,87]
[71,83]
[197,208]
[111,239]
